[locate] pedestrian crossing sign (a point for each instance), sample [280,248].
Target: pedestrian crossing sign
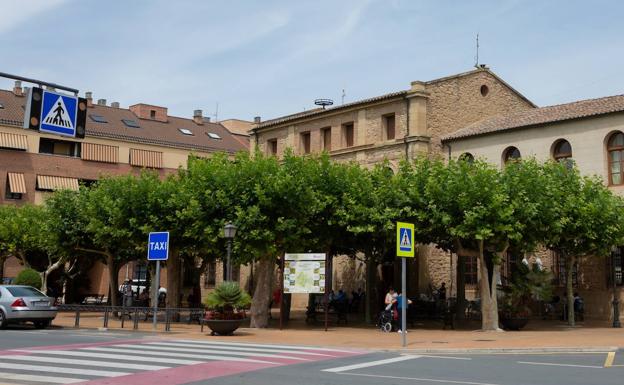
[405,240]
[58,113]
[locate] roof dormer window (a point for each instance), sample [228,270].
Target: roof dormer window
[212,135]
[185,131]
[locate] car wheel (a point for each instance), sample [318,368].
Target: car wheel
[42,324]
[3,321]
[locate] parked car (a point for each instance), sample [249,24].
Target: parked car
[20,304]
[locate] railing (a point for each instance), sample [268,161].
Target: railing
[134,313]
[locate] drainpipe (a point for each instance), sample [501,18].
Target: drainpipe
[407,100]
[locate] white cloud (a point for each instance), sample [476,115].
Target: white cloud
[16,12]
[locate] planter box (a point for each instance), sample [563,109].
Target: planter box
[223,327]
[515,323]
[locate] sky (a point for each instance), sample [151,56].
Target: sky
[272,58]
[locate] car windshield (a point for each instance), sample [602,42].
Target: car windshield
[25,292]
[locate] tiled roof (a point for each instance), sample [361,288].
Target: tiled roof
[318,111]
[543,115]
[150,132]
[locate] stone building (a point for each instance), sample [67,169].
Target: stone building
[591,133]
[118,141]
[394,126]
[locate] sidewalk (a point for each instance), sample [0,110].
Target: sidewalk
[537,336]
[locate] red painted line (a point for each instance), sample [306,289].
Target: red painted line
[182,374]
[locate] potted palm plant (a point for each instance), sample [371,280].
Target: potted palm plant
[226,308]
[527,284]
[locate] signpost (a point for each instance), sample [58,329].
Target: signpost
[405,249]
[157,250]
[55,113]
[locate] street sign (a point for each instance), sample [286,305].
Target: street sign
[58,113]
[158,246]
[405,240]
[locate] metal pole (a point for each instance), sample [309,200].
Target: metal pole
[39,82]
[157,287]
[228,266]
[281,304]
[403,303]
[616,310]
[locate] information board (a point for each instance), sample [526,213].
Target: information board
[304,273]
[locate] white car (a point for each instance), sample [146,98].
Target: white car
[19,304]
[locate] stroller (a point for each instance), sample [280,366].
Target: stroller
[387,320]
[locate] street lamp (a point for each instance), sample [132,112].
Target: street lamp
[229,232]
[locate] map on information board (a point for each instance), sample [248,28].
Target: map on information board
[304,275]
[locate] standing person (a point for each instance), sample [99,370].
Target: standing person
[442,292]
[400,309]
[127,293]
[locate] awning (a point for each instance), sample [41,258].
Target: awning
[17,184]
[17,141]
[146,158]
[100,152]
[47,182]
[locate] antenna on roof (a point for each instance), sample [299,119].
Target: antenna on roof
[477,53]
[216,114]
[343,95]
[323,102]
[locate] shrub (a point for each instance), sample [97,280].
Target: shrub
[227,297]
[28,277]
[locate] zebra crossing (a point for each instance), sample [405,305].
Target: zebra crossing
[131,362]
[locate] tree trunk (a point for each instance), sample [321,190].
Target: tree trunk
[113,284]
[489,305]
[570,288]
[369,295]
[2,259]
[44,275]
[173,279]
[461,288]
[259,311]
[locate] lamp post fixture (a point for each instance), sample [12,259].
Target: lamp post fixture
[616,302]
[229,232]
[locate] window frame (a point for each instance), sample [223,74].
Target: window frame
[305,140]
[348,134]
[272,147]
[615,149]
[507,154]
[327,132]
[559,156]
[471,270]
[386,126]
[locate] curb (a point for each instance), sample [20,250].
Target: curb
[597,349]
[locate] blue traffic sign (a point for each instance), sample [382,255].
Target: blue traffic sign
[158,246]
[58,113]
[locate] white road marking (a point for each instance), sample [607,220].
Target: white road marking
[55,369]
[243,349]
[369,364]
[265,346]
[553,364]
[120,357]
[419,379]
[74,361]
[205,351]
[45,379]
[146,356]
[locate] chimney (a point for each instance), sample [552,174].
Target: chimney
[207,119]
[197,117]
[101,102]
[257,120]
[17,89]
[89,97]
[149,111]
[115,104]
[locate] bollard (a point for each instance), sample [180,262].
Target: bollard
[167,321]
[77,321]
[123,317]
[106,318]
[135,326]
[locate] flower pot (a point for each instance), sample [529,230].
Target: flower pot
[514,322]
[223,327]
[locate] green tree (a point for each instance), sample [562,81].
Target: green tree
[585,219]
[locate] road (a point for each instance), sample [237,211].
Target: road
[63,356]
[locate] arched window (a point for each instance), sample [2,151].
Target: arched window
[615,147]
[511,153]
[467,157]
[562,151]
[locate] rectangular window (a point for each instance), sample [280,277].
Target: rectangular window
[210,275]
[59,147]
[327,139]
[470,274]
[272,147]
[389,126]
[510,265]
[140,272]
[305,142]
[347,134]
[559,269]
[15,185]
[616,264]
